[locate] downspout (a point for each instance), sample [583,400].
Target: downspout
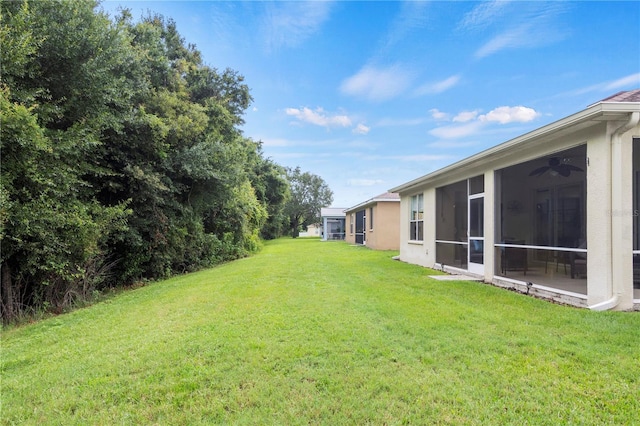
[616,136]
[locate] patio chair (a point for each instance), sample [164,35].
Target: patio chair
[559,257]
[513,258]
[578,265]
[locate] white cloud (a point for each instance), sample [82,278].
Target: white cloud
[361,129]
[439,115]
[528,25]
[473,123]
[483,15]
[506,114]
[630,80]
[412,15]
[465,116]
[377,84]
[364,182]
[439,86]
[512,38]
[289,24]
[456,131]
[319,117]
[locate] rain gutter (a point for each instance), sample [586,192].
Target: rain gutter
[616,182]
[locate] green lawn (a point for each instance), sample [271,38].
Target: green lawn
[311,332]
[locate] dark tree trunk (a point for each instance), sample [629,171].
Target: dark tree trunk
[7,299]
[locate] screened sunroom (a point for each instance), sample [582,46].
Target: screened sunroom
[554,213]
[540,222]
[541,216]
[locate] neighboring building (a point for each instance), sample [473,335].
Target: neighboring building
[375,222]
[313,230]
[332,223]
[554,212]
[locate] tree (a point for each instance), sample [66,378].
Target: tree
[179,159]
[309,193]
[54,100]
[272,190]
[119,147]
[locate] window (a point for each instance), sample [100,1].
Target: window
[476,185]
[351,224]
[416,219]
[371,218]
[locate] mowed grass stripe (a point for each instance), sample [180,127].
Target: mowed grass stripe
[310,332]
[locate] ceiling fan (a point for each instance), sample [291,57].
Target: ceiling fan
[557,166]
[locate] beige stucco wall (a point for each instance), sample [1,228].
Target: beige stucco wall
[610,217]
[489,225]
[350,236]
[313,230]
[418,252]
[598,201]
[385,234]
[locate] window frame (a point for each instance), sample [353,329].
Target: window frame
[371,218]
[416,217]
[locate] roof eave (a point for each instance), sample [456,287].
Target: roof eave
[604,110]
[371,203]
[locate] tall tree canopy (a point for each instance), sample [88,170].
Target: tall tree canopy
[309,193]
[122,157]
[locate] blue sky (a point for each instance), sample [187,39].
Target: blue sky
[369,95]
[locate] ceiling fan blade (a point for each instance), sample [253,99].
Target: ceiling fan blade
[539,171]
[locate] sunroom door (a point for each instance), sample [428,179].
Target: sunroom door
[476,234]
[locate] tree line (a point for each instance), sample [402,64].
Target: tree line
[122,158]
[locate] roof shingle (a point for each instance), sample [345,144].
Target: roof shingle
[624,96]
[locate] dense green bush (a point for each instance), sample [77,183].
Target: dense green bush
[122,158]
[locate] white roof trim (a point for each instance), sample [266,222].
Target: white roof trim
[598,112]
[371,202]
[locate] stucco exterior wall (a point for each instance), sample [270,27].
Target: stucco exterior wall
[489,225]
[350,235]
[609,216]
[418,252]
[598,222]
[385,234]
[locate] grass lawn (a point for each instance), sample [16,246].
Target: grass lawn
[311,332]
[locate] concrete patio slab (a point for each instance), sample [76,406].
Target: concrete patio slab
[455,277]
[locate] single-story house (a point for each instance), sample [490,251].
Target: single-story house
[375,222]
[313,230]
[554,212]
[333,219]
